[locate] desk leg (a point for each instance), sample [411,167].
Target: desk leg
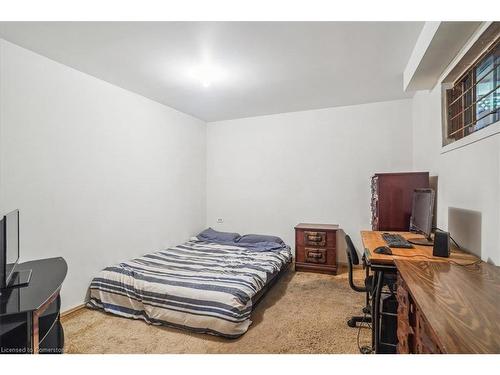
[367,273]
[378,280]
[375,274]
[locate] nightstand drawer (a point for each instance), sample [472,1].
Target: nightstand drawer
[314,255]
[314,238]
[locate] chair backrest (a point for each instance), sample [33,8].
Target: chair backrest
[352,259]
[352,254]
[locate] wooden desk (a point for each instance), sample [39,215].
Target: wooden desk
[446,308]
[383,264]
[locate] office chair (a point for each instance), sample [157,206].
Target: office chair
[352,259]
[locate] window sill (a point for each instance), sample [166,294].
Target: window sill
[474,137]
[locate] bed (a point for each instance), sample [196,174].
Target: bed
[203,286]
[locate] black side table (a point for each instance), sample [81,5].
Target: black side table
[30,315]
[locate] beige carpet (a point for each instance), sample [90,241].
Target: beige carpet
[302,313]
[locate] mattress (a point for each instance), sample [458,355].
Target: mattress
[201,286]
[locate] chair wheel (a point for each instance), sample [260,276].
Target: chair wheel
[367,310]
[366,350]
[351,323]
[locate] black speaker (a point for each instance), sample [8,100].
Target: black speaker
[441,244]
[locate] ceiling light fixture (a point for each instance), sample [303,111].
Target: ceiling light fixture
[207,74]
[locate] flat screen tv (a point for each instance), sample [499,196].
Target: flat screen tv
[9,247]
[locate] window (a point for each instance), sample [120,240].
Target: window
[473,101]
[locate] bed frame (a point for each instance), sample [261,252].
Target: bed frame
[260,295]
[255,299]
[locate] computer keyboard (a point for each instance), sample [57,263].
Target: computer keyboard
[396,240]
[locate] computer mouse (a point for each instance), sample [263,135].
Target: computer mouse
[383,250]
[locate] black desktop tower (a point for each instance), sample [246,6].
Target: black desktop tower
[389,325]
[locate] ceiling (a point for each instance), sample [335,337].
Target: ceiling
[250,68]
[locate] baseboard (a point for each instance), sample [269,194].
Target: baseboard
[71,311]
[355,266]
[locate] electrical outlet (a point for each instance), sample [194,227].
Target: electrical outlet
[220,221]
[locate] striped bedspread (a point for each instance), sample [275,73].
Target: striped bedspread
[201,286]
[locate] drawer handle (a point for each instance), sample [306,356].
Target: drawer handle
[314,238]
[315,255]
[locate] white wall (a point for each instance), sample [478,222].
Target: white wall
[99,174]
[468,196]
[266,174]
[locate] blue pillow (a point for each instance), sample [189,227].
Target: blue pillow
[213,235]
[254,238]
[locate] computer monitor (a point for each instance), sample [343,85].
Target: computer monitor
[421,215]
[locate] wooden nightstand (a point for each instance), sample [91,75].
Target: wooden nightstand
[316,248]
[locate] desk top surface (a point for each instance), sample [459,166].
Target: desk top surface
[373,239]
[460,303]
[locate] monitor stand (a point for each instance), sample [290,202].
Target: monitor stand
[20,278]
[421,241]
